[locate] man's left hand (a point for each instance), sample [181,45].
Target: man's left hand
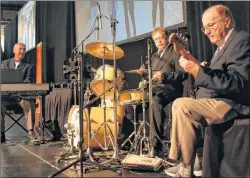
[158,76]
[190,64]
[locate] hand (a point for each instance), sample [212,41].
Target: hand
[190,64]
[142,70]
[143,84]
[158,76]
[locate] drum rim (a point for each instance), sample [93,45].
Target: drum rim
[109,66]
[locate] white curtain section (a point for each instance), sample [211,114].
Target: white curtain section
[27,25]
[135,18]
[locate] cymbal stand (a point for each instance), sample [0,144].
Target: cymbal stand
[82,157]
[104,123]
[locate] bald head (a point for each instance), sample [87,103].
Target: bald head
[222,11]
[217,20]
[19,50]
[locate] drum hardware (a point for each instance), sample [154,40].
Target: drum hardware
[145,144]
[142,142]
[111,52]
[115,161]
[82,157]
[104,124]
[134,132]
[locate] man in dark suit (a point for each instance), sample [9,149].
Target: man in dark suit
[222,88]
[167,85]
[28,77]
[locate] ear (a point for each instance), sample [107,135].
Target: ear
[228,22]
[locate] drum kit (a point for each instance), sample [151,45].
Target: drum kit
[101,119]
[97,127]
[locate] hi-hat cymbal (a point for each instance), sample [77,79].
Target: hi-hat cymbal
[104,50]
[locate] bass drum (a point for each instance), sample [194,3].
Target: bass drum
[97,118]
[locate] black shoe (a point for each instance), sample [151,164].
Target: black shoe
[3,139]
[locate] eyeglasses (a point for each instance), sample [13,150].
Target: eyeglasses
[211,26]
[159,38]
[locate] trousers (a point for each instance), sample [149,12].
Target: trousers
[188,116]
[28,109]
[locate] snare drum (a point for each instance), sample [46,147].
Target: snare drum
[97,118]
[97,86]
[132,97]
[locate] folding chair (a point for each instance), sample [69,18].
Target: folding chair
[15,109]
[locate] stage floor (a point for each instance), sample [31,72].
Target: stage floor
[18,159]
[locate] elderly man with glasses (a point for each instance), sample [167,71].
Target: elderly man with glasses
[221,88]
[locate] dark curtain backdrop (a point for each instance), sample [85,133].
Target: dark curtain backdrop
[55,28]
[10,38]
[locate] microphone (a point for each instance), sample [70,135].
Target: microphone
[99,23]
[100,15]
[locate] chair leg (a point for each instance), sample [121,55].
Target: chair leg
[15,122]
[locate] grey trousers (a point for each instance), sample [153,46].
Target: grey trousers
[28,109]
[188,115]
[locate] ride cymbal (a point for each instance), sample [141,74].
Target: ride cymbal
[104,50]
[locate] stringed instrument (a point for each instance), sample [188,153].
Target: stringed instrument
[180,42]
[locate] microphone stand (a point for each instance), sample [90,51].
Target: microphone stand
[82,157]
[151,122]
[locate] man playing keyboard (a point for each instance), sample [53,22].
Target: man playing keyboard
[28,77]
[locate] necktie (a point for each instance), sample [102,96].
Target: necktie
[160,53]
[215,54]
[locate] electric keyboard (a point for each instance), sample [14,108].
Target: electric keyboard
[24,89]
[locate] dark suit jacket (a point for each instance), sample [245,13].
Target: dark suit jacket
[227,77]
[28,69]
[171,87]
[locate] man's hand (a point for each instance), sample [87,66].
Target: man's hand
[158,76]
[142,70]
[189,64]
[143,84]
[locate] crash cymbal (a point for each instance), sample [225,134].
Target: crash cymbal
[104,50]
